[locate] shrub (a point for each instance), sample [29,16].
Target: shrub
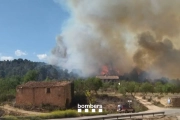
[159,97]
[149,100]
[71,113]
[60,114]
[10,118]
[157,103]
[139,108]
[6,97]
[68,113]
[143,97]
[92,113]
[50,107]
[156,95]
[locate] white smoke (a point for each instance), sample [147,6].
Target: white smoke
[103,32]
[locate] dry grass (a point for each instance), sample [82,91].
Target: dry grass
[157,98]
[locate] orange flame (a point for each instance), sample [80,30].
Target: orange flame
[105,70]
[108,70]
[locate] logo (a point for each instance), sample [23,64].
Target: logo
[90,107]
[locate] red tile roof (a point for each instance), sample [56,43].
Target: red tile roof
[32,84]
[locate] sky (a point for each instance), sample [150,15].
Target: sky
[28,28]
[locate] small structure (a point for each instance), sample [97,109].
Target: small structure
[109,78]
[56,93]
[175,101]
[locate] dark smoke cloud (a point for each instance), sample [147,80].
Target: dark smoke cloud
[156,55]
[101,32]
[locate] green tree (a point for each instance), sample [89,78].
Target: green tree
[122,90]
[93,84]
[122,87]
[146,87]
[158,87]
[137,88]
[79,86]
[130,87]
[30,76]
[47,79]
[168,88]
[105,86]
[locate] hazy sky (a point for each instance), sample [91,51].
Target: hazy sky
[28,28]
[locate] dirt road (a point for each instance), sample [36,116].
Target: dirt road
[153,108]
[149,105]
[7,107]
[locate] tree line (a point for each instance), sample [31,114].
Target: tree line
[86,89]
[19,67]
[133,87]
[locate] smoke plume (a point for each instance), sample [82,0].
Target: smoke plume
[156,55]
[122,33]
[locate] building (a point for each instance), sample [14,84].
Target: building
[174,101]
[56,93]
[108,78]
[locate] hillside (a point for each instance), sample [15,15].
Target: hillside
[19,67]
[18,71]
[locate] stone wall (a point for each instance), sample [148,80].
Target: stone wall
[175,101]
